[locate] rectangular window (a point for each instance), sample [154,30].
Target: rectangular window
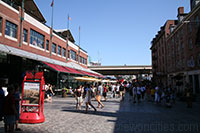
[68,53]
[47,45]
[59,50]
[73,54]
[0,25]
[25,35]
[36,39]
[11,29]
[64,52]
[53,48]
[80,58]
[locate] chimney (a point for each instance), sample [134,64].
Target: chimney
[180,10]
[180,14]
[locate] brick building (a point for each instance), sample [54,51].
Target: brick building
[181,50]
[26,43]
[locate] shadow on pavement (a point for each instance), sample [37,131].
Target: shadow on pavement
[91,112]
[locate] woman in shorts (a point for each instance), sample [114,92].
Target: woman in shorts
[78,96]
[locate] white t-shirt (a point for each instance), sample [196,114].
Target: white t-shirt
[100,88]
[113,87]
[117,88]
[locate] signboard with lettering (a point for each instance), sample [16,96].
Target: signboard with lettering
[31,93]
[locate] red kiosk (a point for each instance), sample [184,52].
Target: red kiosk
[33,90]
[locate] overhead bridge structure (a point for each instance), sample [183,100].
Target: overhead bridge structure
[122,70]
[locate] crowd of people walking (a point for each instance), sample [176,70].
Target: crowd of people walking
[138,92]
[86,94]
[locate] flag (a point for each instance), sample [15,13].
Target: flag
[52,3]
[69,18]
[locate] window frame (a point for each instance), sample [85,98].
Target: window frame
[47,47]
[59,50]
[11,29]
[52,48]
[25,39]
[37,39]
[63,52]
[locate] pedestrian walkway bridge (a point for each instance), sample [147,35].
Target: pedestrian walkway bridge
[122,70]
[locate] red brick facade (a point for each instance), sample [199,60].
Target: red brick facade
[176,51]
[8,13]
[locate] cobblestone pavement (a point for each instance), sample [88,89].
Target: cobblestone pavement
[62,117]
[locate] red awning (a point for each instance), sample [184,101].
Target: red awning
[57,67]
[63,68]
[73,70]
[89,74]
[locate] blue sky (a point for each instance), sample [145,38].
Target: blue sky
[114,32]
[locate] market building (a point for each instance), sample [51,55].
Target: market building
[180,51]
[27,44]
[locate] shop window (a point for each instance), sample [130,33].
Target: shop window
[64,52]
[59,50]
[73,54]
[36,39]
[53,48]
[0,25]
[11,29]
[25,35]
[47,45]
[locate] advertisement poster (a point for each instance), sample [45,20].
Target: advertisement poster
[31,93]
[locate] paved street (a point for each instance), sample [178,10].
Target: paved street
[62,117]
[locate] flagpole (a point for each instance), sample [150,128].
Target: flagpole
[79,44]
[67,37]
[51,31]
[68,22]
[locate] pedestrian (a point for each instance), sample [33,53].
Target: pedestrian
[143,89]
[189,95]
[9,110]
[134,91]
[112,90]
[49,93]
[152,94]
[98,96]
[17,103]
[105,92]
[78,96]
[138,93]
[148,92]
[117,91]
[88,98]
[2,98]
[157,99]
[122,92]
